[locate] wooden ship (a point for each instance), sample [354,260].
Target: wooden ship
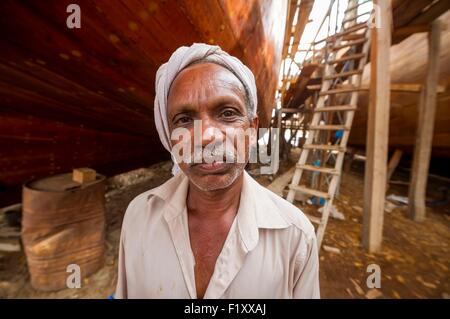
[82,99]
[408,68]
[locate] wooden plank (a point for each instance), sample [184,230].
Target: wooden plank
[336,108]
[348,44]
[309,191]
[324,147]
[419,12]
[10,246]
[342,74]
[407,87]
[291,110]
[302,19]
[330,127]
[377,132]
[278,185]
[83,175]
[393,163]
[346,37]
[344,89]
[411,29]
[313,168]
[314,87]
[351,29]
[347,58]
[424,135]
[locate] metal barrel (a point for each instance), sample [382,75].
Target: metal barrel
[63,224]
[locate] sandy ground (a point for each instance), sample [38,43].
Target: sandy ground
[414,260]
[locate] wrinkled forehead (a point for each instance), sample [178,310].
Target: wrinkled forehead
[205,79]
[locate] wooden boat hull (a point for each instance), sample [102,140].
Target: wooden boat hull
[408,65]
[84,97]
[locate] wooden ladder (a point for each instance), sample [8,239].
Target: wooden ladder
[355,38]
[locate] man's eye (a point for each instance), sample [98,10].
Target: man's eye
[228,113]
[183,120]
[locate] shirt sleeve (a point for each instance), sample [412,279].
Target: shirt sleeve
[306,280]
[121,288]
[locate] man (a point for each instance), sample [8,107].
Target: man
[212,231]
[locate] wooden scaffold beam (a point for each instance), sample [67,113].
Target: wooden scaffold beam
[425,127]
[377,130]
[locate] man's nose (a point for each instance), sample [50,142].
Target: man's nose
[210,131]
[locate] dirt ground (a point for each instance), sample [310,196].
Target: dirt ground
[414,260]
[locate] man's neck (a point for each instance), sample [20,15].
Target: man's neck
[212,205]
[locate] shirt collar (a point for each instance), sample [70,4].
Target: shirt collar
[256,208]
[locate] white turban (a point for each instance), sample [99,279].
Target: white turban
[179,60]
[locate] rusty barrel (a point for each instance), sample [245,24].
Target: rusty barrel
[63,223]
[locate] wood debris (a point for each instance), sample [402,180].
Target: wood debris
[10,247]
[374,294]
[331,249]
[358,288]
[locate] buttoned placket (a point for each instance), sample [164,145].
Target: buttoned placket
[242,238]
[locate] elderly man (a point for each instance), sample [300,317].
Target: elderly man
[212,231]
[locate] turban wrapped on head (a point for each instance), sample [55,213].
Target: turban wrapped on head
[180,59]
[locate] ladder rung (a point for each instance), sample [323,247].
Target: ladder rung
[336,108]
[354,36]
[313,64]
[351,29]
[356,6]
[340,90]
[324,147]
[318,169]
[314,219]
[355,17]
[332,38]
[315,87]
[329,127]
[309,191]
[347,58]
[292,110]
[346,37]
[342,74]
[348,44]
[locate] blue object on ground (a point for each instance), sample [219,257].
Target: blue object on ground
[339,134]
[320,202]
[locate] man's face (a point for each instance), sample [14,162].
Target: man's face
[213,96]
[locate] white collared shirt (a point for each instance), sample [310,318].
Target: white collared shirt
[270,250]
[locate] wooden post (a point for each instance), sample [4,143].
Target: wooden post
[377,130]
[425,126]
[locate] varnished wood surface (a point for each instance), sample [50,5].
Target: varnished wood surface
[409,65]
[84,97]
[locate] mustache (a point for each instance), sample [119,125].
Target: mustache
[216,152]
